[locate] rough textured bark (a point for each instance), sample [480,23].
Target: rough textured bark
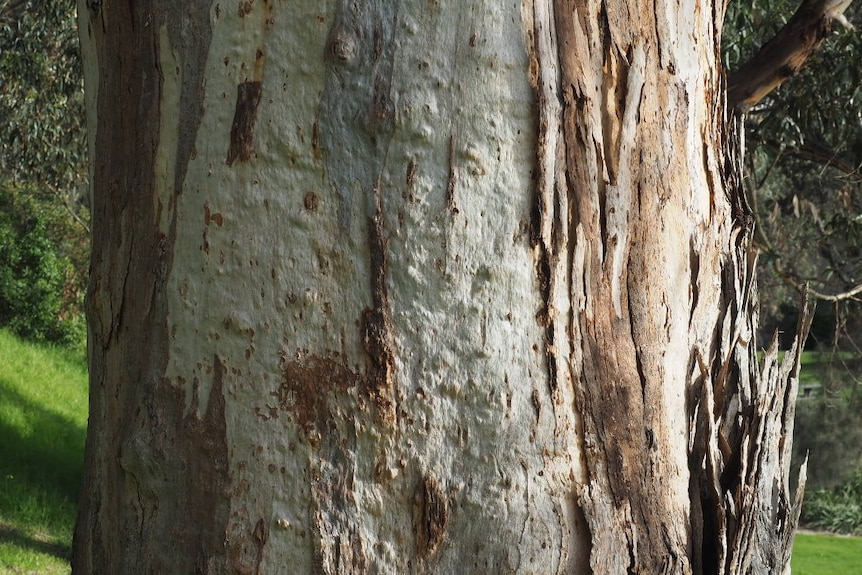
[423,287]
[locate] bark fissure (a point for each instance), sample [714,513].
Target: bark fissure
[248,95]
[452,179]
[430,516]
[377,322]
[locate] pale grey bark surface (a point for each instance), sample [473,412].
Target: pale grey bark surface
[443,287]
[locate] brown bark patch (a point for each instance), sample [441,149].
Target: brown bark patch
[311,201]
[241,148]
[430,516]
[307,385]
[261,535]
[211,217]
[190,33]
[188,456]
[245,8]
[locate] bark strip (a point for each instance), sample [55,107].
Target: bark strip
[628,95]
[241,147]
[377,322]
[430,516]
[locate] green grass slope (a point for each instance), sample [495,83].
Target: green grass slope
[43,418]
[826,555]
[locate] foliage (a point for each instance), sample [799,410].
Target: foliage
[44,221]
[40,294]
[42,139]
[838,510]
[804,161]
[43,417]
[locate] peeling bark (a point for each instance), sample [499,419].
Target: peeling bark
[430,517]
[424,288]
[632,187]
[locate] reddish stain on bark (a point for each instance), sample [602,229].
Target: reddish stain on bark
[212,218]
[244,8]
[307,385]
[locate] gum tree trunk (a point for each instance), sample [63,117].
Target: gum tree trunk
[423,287]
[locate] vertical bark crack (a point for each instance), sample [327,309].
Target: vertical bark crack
[377,327]
[452,180]
[241,147]
[430,516]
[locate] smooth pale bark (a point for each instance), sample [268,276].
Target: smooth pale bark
[444,287]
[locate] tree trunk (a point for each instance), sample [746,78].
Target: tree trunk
[443,287]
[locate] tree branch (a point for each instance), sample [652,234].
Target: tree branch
[66,205]
[784,55]
[11,10]
[791,280]
[815,152]
[822,154]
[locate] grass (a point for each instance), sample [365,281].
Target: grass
[826,555]
[43,417]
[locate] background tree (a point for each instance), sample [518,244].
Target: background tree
[804,183]
[804,160]
[44,225]
[42,141]
[373,280]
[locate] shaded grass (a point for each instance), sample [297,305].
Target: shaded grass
[826,555]
[43,415]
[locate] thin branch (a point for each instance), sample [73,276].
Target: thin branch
[827,157]
[815,152]
[789,279]
[66,205]
[11,10]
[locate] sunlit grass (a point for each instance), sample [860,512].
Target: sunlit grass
[826,555]
[43,415]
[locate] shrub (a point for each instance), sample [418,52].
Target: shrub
[40,295]
[838,510]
